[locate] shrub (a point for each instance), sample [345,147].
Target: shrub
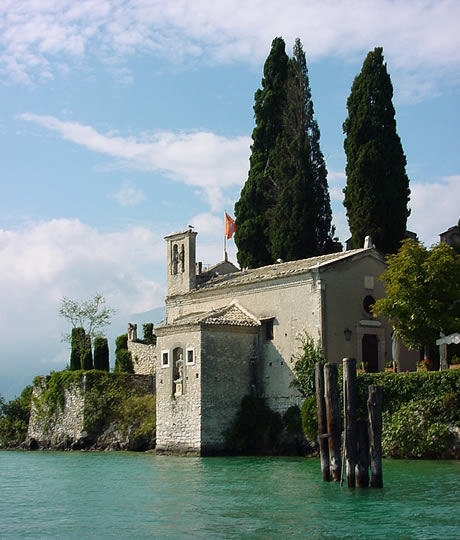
[14,419]
[86,354]
[123,362]
[418,409]
[149,336]
[255,430]
[305,360]
[292,421]
[101,354]
[121,342]
[77,339]
[309,418]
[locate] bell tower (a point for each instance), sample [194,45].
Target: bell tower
[181,258]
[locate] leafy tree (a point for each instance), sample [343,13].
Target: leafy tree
[301,223]
[260,191]
[14,418]
[101,354]
[377,189]
[92,315]
[422,293]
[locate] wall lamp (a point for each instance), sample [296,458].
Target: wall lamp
[347,334]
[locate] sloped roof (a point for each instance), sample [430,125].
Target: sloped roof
[231,315]
[275,271]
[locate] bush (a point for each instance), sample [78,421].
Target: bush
[77,339]
[418,409]
[14,419]
[101,354]
[149,336]
[305,360]
[309,418]
[292,421]
[123,362]
[86,354]
[255,430]
[121,342]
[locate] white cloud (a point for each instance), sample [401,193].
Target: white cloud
[129,195]
[420,38]
[201,159]
[435,207]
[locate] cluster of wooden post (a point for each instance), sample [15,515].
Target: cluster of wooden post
[361,438]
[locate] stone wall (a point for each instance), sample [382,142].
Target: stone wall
[64,428]
[143,356]
[56,429]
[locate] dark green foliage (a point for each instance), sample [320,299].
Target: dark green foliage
[14,419]
[86,354]
[77,347]
[284,209]
[101,354]
[121,342]
[259,193]
[301,219]
[255,430]
[149,336]
[292,421]
[418,409]
[123,362]
[377,189]
[305,360]
[309,418]
[420,286]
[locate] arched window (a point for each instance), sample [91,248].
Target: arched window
[174,259]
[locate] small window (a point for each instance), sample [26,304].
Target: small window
[164,358]
[190,356]
[269,329]
[368,302]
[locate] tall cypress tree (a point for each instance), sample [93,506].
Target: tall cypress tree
[377,190]
[260,191]
[301,222]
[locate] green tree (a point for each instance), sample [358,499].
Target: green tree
[422,293]
[77,347]
[14,419]
[101,354]
[301,222]
[260,191]
[123,358]
[86,354]
[377,190]
[92,315]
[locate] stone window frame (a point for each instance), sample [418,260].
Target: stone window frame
[192,350]
[163,353]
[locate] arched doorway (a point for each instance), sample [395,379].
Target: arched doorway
[370,352]
[178,371]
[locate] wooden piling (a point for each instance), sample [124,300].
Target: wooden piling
[332,401]
[349,405]
[322,423]
[362,454]
[374,408]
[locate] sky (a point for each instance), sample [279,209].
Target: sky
[122,121]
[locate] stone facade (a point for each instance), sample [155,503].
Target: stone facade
[244,327]
[143,356]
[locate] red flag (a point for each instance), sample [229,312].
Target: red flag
[230,226]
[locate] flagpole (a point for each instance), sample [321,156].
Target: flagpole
[225,238]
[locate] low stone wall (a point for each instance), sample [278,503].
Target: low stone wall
[143,356]
[65,424]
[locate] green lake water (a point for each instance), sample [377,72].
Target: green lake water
[126,495]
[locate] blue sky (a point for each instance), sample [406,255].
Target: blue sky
[122,121]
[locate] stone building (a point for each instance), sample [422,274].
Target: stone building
[229,333]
